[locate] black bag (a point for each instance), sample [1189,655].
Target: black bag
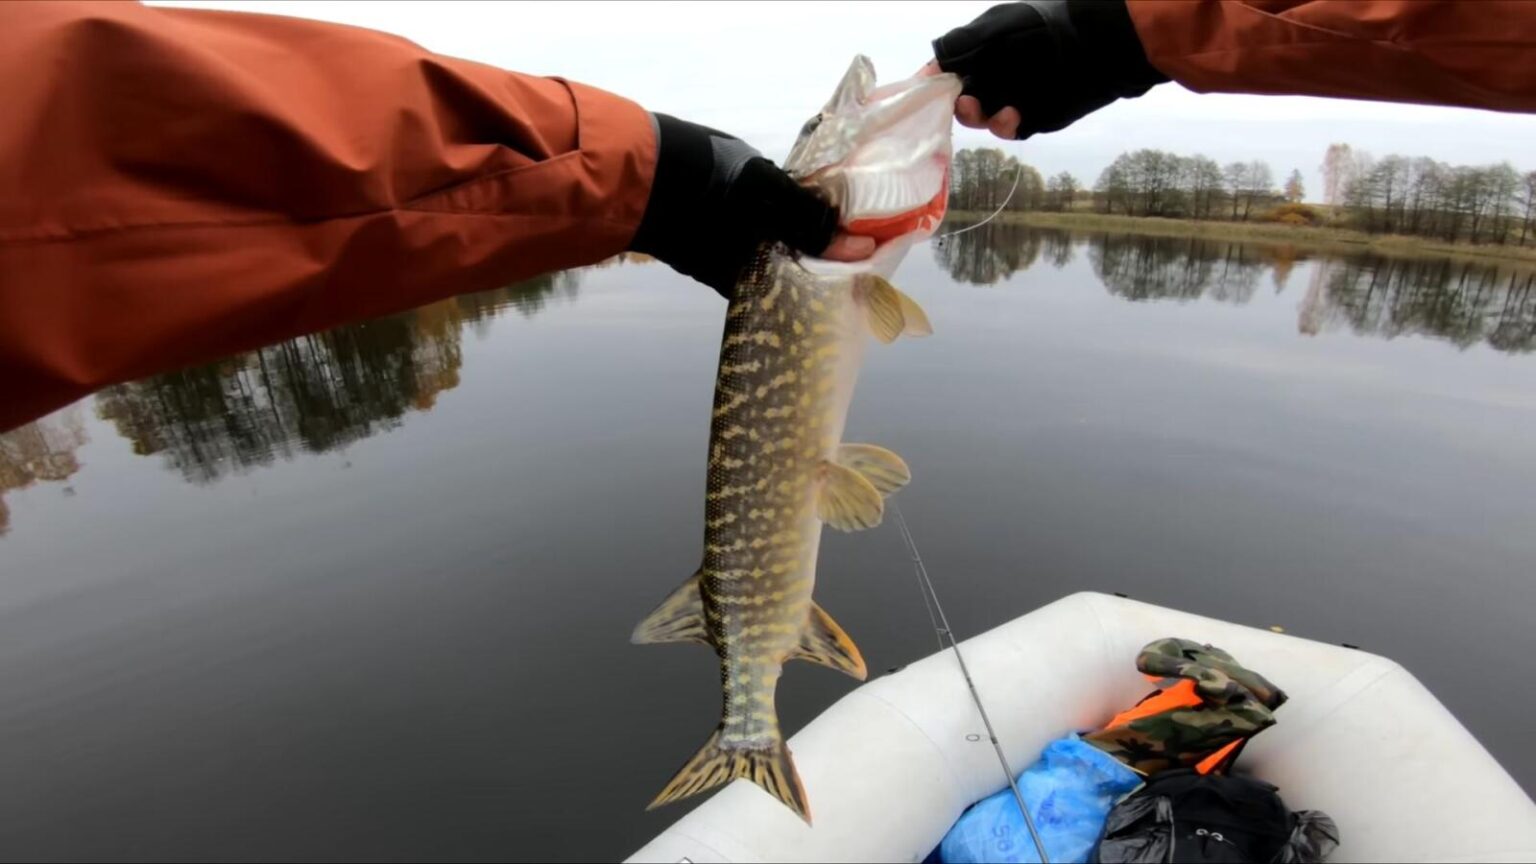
[1182,815]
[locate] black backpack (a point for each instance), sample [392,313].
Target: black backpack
[1182,815]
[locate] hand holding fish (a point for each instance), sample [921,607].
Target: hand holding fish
[1041,65]
[715,200]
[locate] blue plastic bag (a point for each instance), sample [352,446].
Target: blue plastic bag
[1069,791]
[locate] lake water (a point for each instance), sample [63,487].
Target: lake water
[367,595]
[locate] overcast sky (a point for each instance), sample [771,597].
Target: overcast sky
[758,70]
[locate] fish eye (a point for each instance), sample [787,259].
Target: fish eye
[810,125]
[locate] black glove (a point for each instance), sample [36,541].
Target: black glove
[1055,61]
[715,200]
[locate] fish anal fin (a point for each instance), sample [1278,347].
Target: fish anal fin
[679,618]
[826,643]
[848,502]
[883,469]
[771,767]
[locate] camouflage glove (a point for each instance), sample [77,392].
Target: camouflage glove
[1053,61]
[715,200]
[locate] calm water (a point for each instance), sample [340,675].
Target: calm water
[367,595]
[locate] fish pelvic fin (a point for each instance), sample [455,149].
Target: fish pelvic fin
[891,313]
[679,618]
[847,501]
[883,469]
[826,643]
[770,767]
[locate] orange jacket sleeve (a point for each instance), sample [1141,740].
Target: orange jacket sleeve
[1474,53]
[179,185]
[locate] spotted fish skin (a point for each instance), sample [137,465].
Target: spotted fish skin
[789,358]
[794,340]
[788,362]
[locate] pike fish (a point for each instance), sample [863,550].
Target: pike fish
[779,469]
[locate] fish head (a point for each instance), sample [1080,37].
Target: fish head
[881,154]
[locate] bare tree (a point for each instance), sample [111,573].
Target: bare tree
[1337,166]
[1236,175]
[1061,191]
[1528,200]
[1294,191]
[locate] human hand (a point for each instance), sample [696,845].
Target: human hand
[715,200]
[1039,65]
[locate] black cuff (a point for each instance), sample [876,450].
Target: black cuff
[1053,60]
[715,200]
[1105,28]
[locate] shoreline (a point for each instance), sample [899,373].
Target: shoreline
[1267,232]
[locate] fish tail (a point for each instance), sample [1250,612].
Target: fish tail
[770,767]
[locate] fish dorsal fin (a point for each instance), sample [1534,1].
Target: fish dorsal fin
[883,469]
[848,502]
[826,643]
[892,313]
[679,618]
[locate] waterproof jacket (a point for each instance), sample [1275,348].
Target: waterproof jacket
[180,185]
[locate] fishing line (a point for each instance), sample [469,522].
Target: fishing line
[1018,171]
[942,629]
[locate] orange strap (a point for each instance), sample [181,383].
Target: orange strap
[1180,695]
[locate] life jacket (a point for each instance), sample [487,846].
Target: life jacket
[1206,709]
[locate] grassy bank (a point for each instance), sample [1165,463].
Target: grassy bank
[1268,232]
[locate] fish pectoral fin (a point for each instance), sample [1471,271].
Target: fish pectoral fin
[916,319]
[847,501]
[679,618]
[882,303]
[770,767]
[892,313]
[824,642]
[883,469]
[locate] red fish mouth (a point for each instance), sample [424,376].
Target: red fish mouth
[924,218]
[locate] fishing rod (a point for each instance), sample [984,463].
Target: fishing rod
[941,630]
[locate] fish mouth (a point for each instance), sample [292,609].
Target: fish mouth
[894,179]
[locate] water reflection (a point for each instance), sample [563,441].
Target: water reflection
[987,254]
[311,394]
[43,450]
[1139,267]
[1463,302]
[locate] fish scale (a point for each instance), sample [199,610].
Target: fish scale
[778,469]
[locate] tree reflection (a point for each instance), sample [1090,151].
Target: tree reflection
[1461,302]
[315,393]
[1143,267]
[987,254]
[43,450]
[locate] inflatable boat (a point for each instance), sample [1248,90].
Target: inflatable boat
[891,766]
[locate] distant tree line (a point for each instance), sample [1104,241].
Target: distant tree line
[1423,197]
[1140,183]
[1158,183]
[1395,194]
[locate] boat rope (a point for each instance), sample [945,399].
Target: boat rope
[1018,171]
[942,630]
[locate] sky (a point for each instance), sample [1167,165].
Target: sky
[759,70]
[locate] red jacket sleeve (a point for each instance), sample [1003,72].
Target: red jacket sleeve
[1474,53]
[179,185]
